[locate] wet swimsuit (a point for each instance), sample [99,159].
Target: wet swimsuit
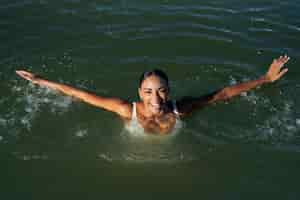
[135,126]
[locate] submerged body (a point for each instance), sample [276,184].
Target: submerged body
[156,113]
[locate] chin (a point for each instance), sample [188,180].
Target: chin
[157,111]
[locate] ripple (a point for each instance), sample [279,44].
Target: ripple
[16,4]
[28,157]
[66,11]
[72,1]
[276,23]
[260,30]
[200,8]
[260,9]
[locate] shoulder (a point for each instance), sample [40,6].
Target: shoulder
[178,107]
[125,110]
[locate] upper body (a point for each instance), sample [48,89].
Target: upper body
[169,123]
[155,110]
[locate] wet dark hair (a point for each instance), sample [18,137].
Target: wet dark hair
[156,72]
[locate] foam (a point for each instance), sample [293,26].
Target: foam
[297,122]
[28,157]
[81,133]
[32,98]
[282,126]
[144,147]
[3,122]
[136,130]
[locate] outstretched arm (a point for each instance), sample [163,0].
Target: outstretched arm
[275,72]
[115,105]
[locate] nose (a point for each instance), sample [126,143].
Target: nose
[156,99]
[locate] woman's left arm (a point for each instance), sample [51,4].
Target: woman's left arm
[275,72]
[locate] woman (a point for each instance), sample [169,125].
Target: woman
[155,112]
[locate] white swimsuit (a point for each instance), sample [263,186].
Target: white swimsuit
[135,127]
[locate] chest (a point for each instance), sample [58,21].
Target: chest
[158,125]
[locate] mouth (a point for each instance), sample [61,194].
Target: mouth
[156,107]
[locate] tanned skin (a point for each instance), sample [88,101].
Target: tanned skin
[154,111]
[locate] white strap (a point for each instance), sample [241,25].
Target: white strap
[133,111]
[175,108]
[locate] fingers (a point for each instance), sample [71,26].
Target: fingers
[19,72]
[283,59]
[280,61]
[282,72]
[24,74]
[276,69]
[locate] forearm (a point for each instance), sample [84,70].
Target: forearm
[110,104]
[231,91]
[189,104]
[65,89]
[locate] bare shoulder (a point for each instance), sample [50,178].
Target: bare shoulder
[125,110]
[188,104]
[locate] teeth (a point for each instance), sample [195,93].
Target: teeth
[155,105]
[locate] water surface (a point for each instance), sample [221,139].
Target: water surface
[54,146]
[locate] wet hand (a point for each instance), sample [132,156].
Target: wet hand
[28,76]
[276,70]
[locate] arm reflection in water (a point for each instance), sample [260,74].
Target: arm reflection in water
[155,111]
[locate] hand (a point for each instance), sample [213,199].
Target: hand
[275,71]
[28,76]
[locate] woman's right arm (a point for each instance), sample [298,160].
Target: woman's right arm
[116,105]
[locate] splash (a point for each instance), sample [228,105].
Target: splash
[282,127]
[26,103]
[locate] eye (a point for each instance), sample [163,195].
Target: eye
[163,90]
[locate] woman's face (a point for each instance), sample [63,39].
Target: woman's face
[154,92]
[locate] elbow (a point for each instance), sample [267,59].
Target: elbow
[224,94]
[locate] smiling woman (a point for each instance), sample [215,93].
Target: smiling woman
[155,112]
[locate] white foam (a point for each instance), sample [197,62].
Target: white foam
[105,157]
[136,130]
[298,122]
[3,122]
[81,133]
[281,126]
[33,98]
[33,157]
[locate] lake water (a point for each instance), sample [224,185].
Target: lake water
[54,147]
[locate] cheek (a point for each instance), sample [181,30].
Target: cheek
[144,97]
[164,96]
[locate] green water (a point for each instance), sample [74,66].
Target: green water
[54,147]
